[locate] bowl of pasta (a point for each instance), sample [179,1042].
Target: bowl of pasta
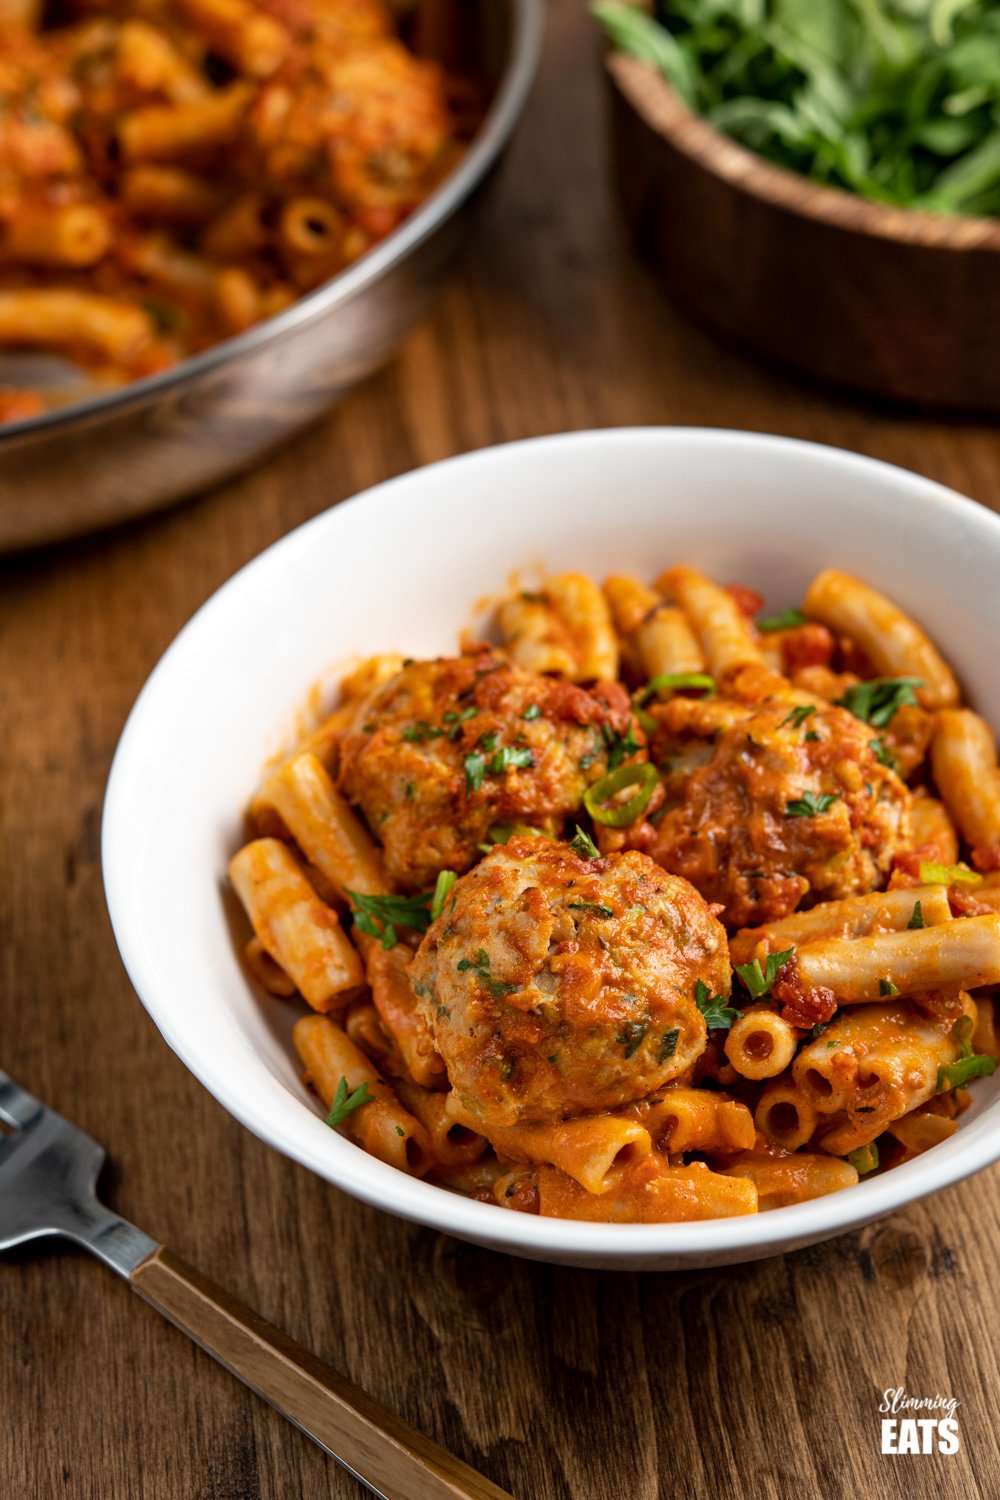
[629,893]
[216,219]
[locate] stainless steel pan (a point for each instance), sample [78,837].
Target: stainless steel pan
[108,457]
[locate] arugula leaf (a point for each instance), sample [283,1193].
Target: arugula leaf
[786,619]
[877,700]
[811,804]
[582,844]
[636,33]
[897,100]
[345,1102]
[718,1015]
[759,981]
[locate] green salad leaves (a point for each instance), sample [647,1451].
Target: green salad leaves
[896,100]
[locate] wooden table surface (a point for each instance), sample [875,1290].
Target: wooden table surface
[762,1380]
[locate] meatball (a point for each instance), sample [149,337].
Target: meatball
[785,798]
[555,985]
[446,749]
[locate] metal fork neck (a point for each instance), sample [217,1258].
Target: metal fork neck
[118,1243]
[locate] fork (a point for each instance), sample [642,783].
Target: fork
[48,1186]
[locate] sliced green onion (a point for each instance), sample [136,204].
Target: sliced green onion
[500,833]
[596,797]
[668,681]
[446,879]
[864,1159]
[932,873]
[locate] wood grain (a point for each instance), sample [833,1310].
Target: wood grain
[759,1381]
[388,1454]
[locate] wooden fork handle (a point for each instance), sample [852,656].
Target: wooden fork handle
[381,1450]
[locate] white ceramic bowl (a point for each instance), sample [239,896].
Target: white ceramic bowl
[400,567]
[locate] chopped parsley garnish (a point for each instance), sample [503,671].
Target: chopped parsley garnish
[446,879]
[812,735]
[718,1015]
[480,966]
[968,1064]
[669,682]
[346,1101]
[631,1036]
[759,981]
[877,700]
[475,770]
[456,720]
[532,712]
[917,919]
[510,758]
[489,741]
[594,906]
[886,987]
[864,1158]
[620,746]
[818,1030]
[811,804]
[379,916]
[668,1045]
[421,731]
[931,873]
[400,1130]
[883,754]
[785,619]
[798,716]
[582,844]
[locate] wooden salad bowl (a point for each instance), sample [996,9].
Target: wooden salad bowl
[892,303]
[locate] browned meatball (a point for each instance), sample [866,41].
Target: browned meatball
[778,798]
[447,749]
[557,985]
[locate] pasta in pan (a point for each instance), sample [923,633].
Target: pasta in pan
[652,910]
[173,171]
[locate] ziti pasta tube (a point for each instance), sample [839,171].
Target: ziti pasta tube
[963,954]
[301,933]
[382,1126]
[324,825]
[893,643]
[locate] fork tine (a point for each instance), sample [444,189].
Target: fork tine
[17,1107]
